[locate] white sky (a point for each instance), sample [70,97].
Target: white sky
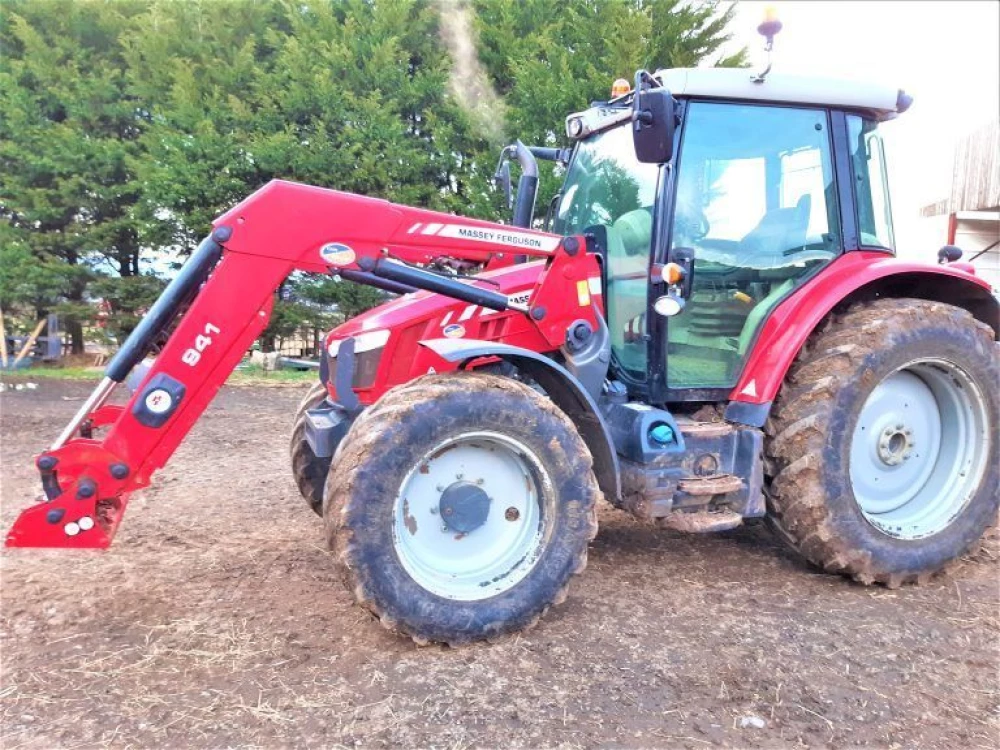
[945,54]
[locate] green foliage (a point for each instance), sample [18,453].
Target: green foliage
[128,125]
[127,298]
[347,298]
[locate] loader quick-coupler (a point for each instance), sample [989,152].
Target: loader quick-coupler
[83,485]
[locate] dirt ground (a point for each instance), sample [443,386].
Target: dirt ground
[217,621]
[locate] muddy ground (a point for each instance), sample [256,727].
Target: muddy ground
[217,621]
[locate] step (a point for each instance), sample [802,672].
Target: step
[702,521]
[717,484]
[692,429]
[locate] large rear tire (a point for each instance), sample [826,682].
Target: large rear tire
[459,506]
[308,469]
[884,446]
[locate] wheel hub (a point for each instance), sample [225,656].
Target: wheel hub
[447,535]
[895,444]
[464,507]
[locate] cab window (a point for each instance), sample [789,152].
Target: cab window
[871,187]
[607,187]
[756,202]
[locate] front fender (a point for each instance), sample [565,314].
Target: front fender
[852,277]
[559,385]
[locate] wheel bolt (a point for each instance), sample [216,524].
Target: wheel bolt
[479,481]
[440,488]
[459,476]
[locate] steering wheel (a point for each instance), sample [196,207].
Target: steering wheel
[692,225]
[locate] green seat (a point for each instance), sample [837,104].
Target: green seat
[759,312]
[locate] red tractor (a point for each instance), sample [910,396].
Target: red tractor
[712,328]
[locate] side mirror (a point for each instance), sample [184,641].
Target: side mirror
[653,120]
[949,254]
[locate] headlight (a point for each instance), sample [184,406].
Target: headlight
[368,348]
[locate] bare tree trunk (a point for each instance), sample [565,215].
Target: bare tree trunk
[75,330]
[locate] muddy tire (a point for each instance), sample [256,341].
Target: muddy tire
[308,469]
[883,450]
[459,507]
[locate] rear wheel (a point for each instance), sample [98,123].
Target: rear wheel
[459,506]
[885,445]
[308,469]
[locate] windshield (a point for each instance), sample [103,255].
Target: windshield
[606,186]
[605,181]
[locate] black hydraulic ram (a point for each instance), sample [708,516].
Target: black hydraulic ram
[165,309]
[420,279]
[163,312]
[363,277]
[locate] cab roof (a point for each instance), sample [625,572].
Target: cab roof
[882,102]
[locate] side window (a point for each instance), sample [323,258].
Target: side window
[871,188]
[756,201]
[607,187]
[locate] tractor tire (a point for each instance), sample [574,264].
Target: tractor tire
[308,469]
[883,451]
[459,506]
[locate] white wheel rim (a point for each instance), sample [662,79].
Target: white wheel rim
[919,449]
[501,550]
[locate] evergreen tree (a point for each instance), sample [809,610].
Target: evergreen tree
[67,135]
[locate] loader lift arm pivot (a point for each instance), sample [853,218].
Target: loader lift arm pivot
[228,285]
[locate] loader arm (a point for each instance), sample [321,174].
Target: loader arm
[224,295]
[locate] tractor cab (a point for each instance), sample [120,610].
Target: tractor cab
[762,184]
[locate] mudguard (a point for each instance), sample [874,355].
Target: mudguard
[851,277]
[565,390]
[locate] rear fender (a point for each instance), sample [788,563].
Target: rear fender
[854,277]
[565,390]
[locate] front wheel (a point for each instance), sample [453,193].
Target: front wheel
[460,506]
[308,469]
[884,449]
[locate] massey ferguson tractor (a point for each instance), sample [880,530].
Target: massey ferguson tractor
[712,328]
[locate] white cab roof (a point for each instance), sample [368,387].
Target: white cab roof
[736,83]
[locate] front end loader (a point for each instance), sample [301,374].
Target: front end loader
[712,328]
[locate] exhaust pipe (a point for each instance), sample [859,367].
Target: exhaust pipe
[527,186]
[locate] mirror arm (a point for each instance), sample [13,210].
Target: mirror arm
[501,178]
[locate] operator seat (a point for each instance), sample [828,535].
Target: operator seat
[628,240]
[779,231]
[771,248]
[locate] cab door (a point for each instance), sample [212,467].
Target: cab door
[755,199]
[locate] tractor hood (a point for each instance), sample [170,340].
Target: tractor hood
[386,338]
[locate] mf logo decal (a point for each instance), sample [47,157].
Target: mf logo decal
[159,401]
[337,254]
[454,331]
